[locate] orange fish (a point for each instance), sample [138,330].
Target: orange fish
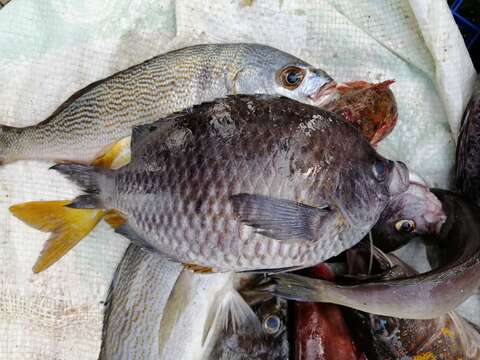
[369,107]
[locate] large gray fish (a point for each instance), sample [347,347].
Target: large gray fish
[104,112]
[467,164]
[242,183]
[156,310]
[421,296]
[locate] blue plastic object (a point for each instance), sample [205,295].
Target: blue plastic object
[470,30]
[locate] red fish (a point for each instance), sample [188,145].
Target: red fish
[369,107]
[320,332]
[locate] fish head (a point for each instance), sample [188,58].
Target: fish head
[368,181]
[415,212]
[277,73]
[269,342]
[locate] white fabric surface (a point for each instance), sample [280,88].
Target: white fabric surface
[51,48]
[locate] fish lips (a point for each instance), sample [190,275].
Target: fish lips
[326,94]
[399,178]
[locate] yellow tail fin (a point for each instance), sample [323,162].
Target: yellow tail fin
[68,226]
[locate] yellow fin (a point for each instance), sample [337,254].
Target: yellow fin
[68,226]
[115,218]
[116,156]
[198,268]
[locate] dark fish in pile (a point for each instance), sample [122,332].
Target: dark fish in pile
[104,112]
[424,296]
[448,337]
[467,165]
[416,212]
[243,183]
[319,329]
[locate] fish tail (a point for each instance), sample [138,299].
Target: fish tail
[67,225]
[299,288]
[85,176]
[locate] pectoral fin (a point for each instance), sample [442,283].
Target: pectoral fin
[278,218]
[68,226]
[116,155]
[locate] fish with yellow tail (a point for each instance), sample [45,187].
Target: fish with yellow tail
[241,183]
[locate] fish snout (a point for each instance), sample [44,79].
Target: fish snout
[399,181]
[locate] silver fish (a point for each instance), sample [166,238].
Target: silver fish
[243,183]
[104,112]
[158,310]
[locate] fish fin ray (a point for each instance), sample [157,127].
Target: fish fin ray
[231,310]
[116,155]
[115,218]
[297,287]
[68,226]
[278,218]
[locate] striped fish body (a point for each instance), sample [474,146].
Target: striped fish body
[105,111]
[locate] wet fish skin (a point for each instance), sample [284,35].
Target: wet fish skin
[424,296]
[156,309]
[416,212]
[105,111]
[369,107]
[270,343]
[319,330]
[467,164]
[448,337]
[216,184]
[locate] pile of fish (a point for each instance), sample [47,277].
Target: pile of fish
[261,217]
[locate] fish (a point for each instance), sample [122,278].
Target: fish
[420,296]
[90,124]
[319,330]
[448,337]
[157,309]
[244,183]
[416,212]
[269,342]
[369,107]
[467,162]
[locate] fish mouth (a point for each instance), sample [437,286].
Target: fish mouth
[325,94]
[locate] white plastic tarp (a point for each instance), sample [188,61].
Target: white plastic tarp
[51,48]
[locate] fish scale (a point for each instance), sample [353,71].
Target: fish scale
[280,149]
[105,112]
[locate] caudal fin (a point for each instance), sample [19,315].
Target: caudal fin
[67,225]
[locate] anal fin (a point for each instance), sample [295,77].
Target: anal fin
[116,156]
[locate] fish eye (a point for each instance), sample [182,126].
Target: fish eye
[384,326]
[291,77]
[379,170]
[272,324]
[405,226]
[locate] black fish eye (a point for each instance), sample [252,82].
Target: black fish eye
[291,77]
[379,170]
[272,324]
[405,226]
